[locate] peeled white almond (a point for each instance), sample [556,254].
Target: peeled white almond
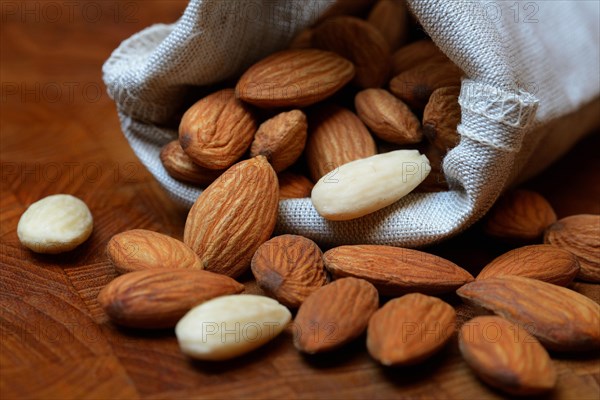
[364,186]
[55,224]
[229,326]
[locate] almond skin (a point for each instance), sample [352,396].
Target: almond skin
[579,234]
[281,139]
[334,315]
[359,42]
[139,250]
[543,262]
[436,180]
[506,356]
[388,117]
[410,329]
[159,298]
[217,130]
[561,319]
[294,78]
[415,86]
[519,216]
[303,40]
[394,270]
[390,18]
[181,167]
[414,54]
[337,136]
[441,117]
[293,186]
[289,268]
[234,216]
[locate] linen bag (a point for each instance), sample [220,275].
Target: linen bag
[530,92]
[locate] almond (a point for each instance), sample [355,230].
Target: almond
[234,216]
[359,42]
[394,270]
[159,298]
[561,319]
[390,18]
[293,186]
[334,315]
[294,78]
[520,216]
[289,268]
[506,356]
[217,130]
[409,329]
[415,86]
[139,249]
[441,117]
[337,136]
[281,139]
[579,234]
[389,118]
[436,180]
[181,167]
[55,224]
[229,326]
[544,262]
[302,40]
[414,54]
[364,186]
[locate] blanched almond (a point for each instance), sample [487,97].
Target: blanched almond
[364,186]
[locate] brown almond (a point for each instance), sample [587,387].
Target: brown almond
[388,117]
[337,136]
[159,298]
[410,329]
[543,262]
[234,216]
[334,315]
[303,40]
[414,54]
[140,249]
[395,270]
[579,234]
[293,186]
[294,78]
[441,117]
[519,216]
[181,167]
[436,180]
[281,139]
[415,86]
[561,319]
[390,18]
[217,130]
[359,42]
[289,268]
[506,356]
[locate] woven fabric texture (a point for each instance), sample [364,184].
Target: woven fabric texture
[527,64]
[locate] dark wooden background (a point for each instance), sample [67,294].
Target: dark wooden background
[60,134]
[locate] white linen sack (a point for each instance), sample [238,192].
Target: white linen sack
[530,92]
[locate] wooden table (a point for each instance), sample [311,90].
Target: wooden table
[60,134]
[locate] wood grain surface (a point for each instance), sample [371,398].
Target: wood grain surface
[60,134]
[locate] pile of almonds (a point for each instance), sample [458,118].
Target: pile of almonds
[337,295]
[319,114]
[290,105]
